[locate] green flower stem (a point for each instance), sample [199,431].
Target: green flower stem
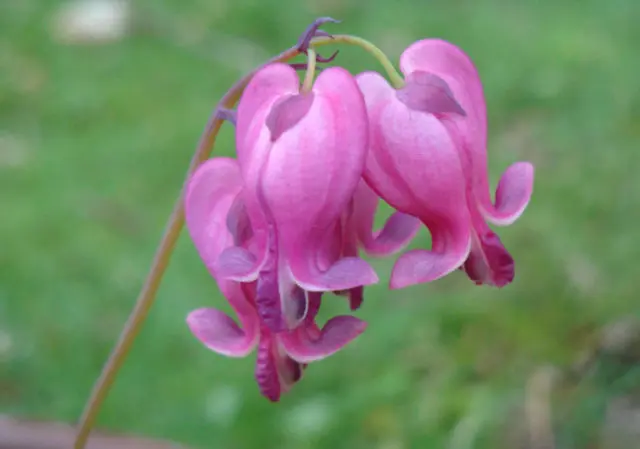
[395,78]
[307,84]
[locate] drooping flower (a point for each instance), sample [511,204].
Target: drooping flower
[428,158]
[215,217]
[301,155]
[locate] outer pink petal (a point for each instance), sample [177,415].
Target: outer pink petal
[267,86]
[310,177]
[218,332]
[456,68]
[414,165]
[314,167]
[211,191]
[397,232]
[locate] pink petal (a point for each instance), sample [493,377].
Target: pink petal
[454,67]
[512,195]
[314,167]
[397,232]
[450,248]
[306,344]
[333,244]
[211,192]
[218,332]
[414,165]
[253,137]
[346,273]
[311,174]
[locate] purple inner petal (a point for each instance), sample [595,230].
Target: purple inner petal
[287,112]
[267,289]
[429,93]
[238,222]
[356,296]
[266,370]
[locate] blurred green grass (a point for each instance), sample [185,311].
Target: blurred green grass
[102,136]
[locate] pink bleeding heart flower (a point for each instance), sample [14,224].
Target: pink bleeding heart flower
[428,158]
[217,220]
[301,156]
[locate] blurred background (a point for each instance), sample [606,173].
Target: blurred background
[101,105]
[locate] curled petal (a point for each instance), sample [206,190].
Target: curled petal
[346,273]
[306,344]
[218,332]
[450,247]
[397,232]
[212,190]
[512,195]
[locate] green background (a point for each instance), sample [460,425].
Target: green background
[94,144]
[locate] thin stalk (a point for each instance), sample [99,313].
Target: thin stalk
[395,78]
[307,83]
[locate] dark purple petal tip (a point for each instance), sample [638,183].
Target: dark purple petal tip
[324,60]
[490,263]
[266,370]
[286,113]
[268,301]
[313,31]
[429,93]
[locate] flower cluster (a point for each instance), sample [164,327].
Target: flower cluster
[284,222]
